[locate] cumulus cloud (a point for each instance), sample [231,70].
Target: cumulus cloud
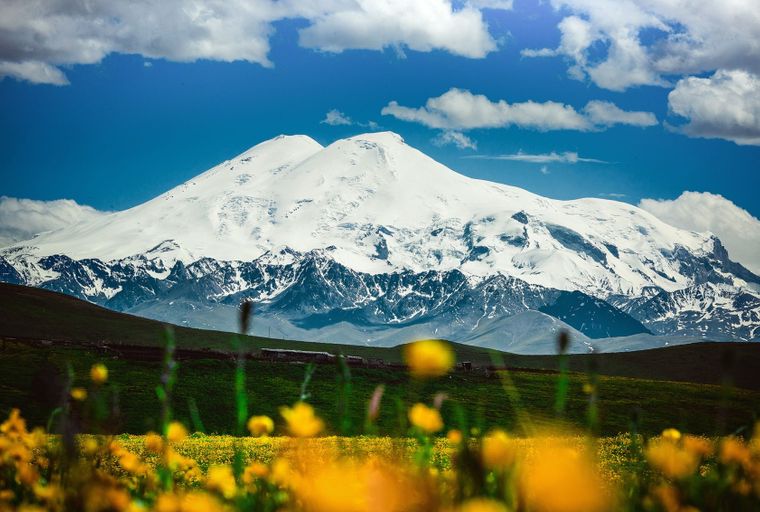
[640,42]
[605,113]
[21,219]
[38,37]
[335,118]
[459,109]
[702,211]
[725,106]
[457,139]
[421,25]
[567,157]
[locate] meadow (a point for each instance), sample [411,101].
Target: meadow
[442,457]
[90,429]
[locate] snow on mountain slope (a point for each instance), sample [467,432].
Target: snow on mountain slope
[212,215]
[382,206]
[374,241]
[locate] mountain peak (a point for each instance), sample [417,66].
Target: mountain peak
[288,143]
[386,137]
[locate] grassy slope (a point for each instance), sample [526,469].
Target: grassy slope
[32,379]
[40,314]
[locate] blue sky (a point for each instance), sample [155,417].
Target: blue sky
[134,123]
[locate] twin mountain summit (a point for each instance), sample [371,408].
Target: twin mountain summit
[370,241]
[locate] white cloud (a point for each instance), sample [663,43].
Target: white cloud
[567,157]
[504,5]
[21,219]
[335,117]
[459,109]
[702,211]
[725,106]
[604,113]
[544,169]
[421,25]
[37,37]
[458,139]
[605,43]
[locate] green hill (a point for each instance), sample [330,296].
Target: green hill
[45,333]
[34,314]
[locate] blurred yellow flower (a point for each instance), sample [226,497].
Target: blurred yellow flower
[168,503]
[561,479]
[428,358]
[301,420]
[260,425]
[89,446]
[454,436]
[698,445]
[253,471]
[79,394]
[132,463]
[670,459]
[671,434]
[200,502]
[340,485]
[154,443]
[734,451]
[498,450]
[221,480]
[425,418]
[102,497]
[176,431]
[482,505]
[99,373]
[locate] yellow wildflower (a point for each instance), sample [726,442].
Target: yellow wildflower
[90,446]
[260,425]
[282,473]
[482,505]
[454,436]
[154,443]
[168,503]
[697,445]
[102,497]
[667,495]
[429,358]
[131,463]
[671,434]
[498,450]
[301,420]
[561,479]
[253,471]
[670,459]
[425,418]
[200,502]
[176,431]
[15,425]
[221,480]
[79,394]
[99,373]
[734,451]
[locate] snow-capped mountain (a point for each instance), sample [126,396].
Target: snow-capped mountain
[368,237]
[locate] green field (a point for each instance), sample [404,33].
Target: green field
[32,377]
